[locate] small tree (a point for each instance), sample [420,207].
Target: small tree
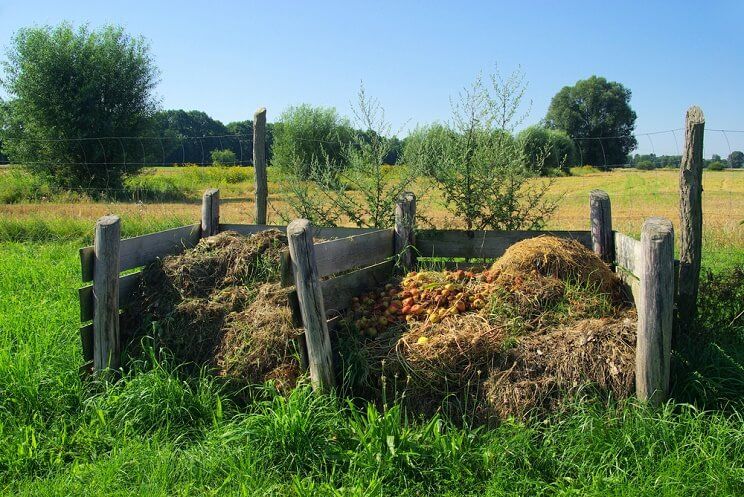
[716,166]
[73,94]
[364,190]
[481,170]
[307,137]
[224,157]
[736,159]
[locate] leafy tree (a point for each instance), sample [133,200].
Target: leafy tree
[716,166]
[550,148]
[71,93]
[224,157]
[481,170]
[591,109]
[736,159]
[366,189]
[645,165]
[307,135]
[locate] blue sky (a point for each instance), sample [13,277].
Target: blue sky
[228,58]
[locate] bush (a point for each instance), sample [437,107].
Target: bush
[482,171]
[645,165]
[548,148]
[716,166]
[305,135]
[224,157]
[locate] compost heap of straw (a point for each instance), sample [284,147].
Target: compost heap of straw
[219,305]
[545,320]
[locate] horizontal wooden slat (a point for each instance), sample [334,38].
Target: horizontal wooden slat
[328,233]
[631,282]
[140,250]
[482,244]
[86,339]
[342,254]
[127,286]
[628,253]
[338,292]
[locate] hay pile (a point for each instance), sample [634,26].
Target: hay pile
[219,305]
[553,321]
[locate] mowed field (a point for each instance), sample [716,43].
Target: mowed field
[158,432]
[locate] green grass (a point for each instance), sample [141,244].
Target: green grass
[159,432]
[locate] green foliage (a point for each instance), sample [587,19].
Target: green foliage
[67,86]
[308,138]
[645,165]
[224,157]
[365,190]
[736,159]
[480,168]
[591,109]
[548,149]
[716,166]
[671,161]
[156,432]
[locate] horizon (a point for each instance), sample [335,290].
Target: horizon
[414,57]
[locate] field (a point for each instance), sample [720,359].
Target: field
[158,432]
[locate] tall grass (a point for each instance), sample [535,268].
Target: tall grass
[160,432]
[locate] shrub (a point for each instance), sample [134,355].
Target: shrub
[548,148]
[306,135]
[716,166]
[645,165]
[481,170]
[224,157]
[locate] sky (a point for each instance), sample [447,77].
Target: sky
[228,58]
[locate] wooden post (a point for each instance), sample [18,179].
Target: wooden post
[312,309]
[210,213]
[405,223]
[655,310]
[600,214]
[259,164]
[691,215]
[106,293]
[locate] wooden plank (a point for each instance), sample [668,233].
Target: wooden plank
[127,287]
[338,292]
[210,213]
[405,230]
[655,307]
[628,253]
[105,293]
[691,214]
[631,282]
[600,218]
[142,250]
[259,164]
[328,233]
[86,340]
[482,244]
[342,254]
[310,296]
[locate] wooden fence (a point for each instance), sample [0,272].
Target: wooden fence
[329,266]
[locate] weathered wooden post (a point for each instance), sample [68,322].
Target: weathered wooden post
[312,308]
[106,348]
[691,215]
[259,164]
[600,214]
[210,213]
[405,223]
[655,310]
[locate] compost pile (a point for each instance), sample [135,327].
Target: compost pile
[220,305]
[547,319]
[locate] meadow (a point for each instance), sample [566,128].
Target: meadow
[158,431]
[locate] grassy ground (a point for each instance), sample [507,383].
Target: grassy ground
[159,433]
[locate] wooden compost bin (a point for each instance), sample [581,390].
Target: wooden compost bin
[351,261]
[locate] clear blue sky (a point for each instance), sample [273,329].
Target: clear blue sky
[228,58]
